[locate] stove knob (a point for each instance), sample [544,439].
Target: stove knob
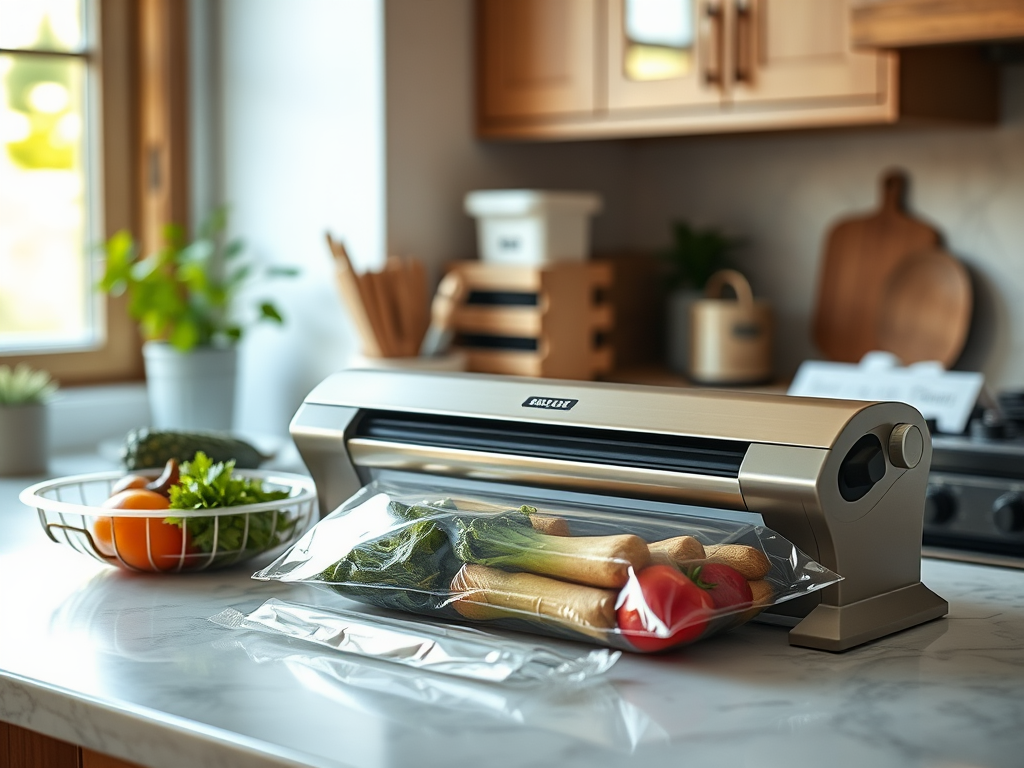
[939,506]
[1008,513]
[989,427]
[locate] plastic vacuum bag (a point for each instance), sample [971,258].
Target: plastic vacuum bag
[457,651]
[588,707]
[625,579]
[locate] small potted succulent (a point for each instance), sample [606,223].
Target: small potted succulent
[185,300]
[695,255]
[24,394]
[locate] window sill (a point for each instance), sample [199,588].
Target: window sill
[83,417]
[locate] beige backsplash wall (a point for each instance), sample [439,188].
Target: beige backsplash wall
[434,157]
[781,192]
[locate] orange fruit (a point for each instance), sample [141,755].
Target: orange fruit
[146,543]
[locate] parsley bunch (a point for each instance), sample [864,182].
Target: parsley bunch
[204,484]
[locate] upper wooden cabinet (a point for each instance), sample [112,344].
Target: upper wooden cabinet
[662,60]
[799,50]
[909,23]
[564,69]
[539,57]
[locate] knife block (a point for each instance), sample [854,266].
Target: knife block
[551,321]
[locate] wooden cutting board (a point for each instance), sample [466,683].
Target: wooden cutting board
[926,309]
[861,255]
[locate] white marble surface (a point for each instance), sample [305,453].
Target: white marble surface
[128,665]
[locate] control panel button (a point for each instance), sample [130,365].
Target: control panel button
[939,505]
[863,466]
[1008,513]
[906,446]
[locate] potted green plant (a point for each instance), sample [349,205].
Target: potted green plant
[185,300]
[694,256]
[24,394]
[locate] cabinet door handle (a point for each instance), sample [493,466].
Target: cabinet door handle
[743,68]
[711,32]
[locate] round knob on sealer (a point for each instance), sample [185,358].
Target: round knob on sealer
[906,446]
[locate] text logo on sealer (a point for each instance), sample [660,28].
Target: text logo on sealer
[550,403]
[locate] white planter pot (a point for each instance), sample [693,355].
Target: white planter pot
[678,336]
[191,390]
[23,441]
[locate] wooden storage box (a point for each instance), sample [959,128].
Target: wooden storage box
[553,321]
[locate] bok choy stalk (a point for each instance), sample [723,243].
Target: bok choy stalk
[508,541]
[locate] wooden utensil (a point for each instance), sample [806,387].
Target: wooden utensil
[352,295]
[403,292]
[860,256]
[419,299]
[926,309]
[450,294]
[382,310]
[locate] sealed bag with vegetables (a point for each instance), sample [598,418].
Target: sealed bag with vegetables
[626,579]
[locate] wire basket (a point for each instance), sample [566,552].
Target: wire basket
[71,512]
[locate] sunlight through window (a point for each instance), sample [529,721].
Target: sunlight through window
[47,298]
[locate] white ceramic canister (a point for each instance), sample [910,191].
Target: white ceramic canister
[730,339]
[530,227]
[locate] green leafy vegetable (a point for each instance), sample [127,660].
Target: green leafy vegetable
[500,541]
[402,568]
[208,485]
[509,541]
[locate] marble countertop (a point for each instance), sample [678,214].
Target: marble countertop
[129,665]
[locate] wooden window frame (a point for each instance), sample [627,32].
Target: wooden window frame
[141,59]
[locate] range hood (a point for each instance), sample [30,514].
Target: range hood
[912,23]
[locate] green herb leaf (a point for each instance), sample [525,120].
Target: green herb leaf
[204,484]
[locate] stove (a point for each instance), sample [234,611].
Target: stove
[975,504]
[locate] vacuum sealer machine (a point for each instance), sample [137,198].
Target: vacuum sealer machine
[844,481]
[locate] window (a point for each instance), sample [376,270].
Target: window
[46,212]
[67,146]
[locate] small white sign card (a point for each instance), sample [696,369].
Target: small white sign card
[946,396]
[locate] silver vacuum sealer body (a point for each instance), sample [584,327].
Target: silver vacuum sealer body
[844,481]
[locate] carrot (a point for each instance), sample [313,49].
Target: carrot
[487,594]
[749,561]
[552,526]
[678,551]
[763,592]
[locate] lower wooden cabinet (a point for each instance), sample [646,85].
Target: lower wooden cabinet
[22,748]
[576,69]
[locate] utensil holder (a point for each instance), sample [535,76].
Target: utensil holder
[551,321]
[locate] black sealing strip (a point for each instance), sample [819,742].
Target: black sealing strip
[694,455]
[480,341]
[502,298]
